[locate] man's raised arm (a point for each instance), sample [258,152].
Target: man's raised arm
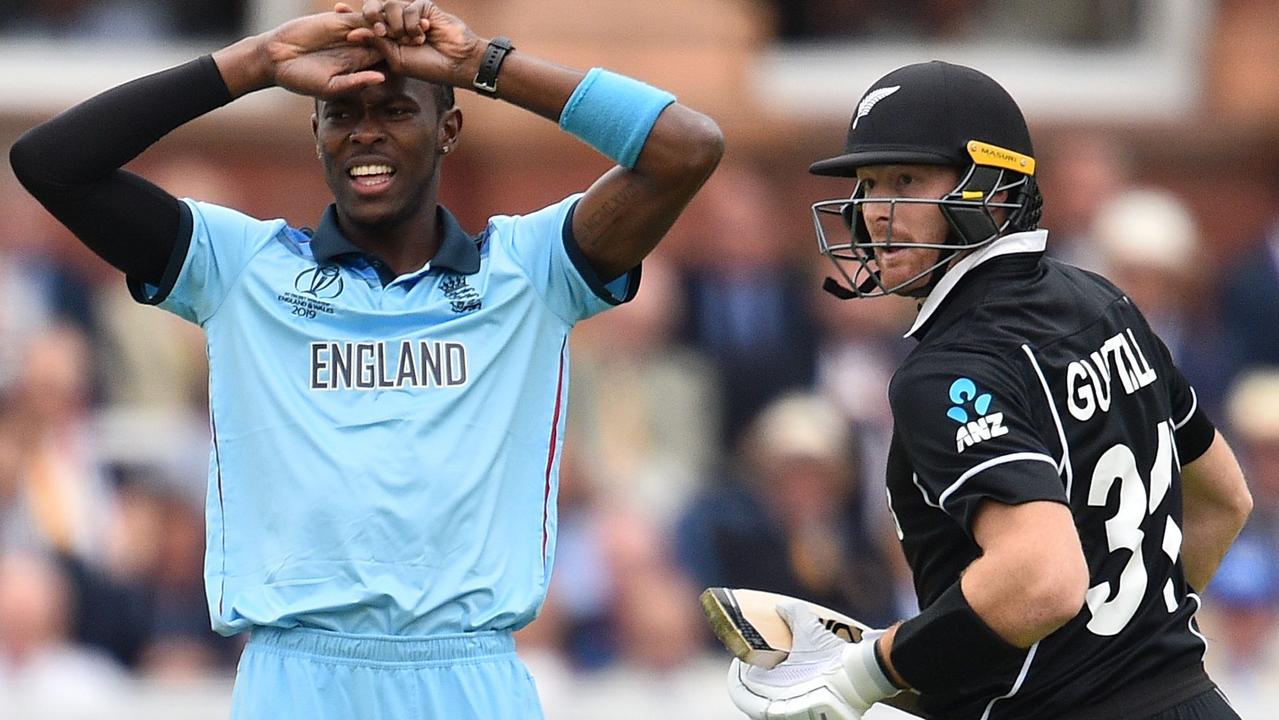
[664,150]
[71,164]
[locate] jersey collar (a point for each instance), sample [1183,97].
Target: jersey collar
[1032,241]
[458,251]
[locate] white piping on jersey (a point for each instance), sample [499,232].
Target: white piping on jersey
[1176,456]
[1190,624]
[1064,465]
[1022,242]
[1021,677]
[893,513]
[1012,457]
[1194,405]
[915,477]
[1226,699]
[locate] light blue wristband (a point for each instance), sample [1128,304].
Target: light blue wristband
[614,114]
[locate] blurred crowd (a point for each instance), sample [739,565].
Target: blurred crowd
[1076,23]
[1079,23]
[728,427]
[116,20]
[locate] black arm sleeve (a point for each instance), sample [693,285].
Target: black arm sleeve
[71,164]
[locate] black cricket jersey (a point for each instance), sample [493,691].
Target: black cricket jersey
[1035,380]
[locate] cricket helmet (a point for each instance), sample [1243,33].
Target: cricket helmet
[932,113]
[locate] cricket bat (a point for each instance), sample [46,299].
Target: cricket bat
[746,621]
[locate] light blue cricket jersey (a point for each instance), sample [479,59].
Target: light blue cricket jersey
[385,458]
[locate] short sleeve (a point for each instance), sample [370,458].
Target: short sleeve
[542,245]
[1193,431]
[969,432]
[206,264]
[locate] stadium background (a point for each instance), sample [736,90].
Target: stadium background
[673,479]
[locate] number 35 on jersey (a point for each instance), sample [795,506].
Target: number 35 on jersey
[1112,608]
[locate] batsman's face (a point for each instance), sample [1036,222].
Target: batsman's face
[904,224]
[381,148]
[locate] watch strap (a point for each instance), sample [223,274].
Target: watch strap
[485,82]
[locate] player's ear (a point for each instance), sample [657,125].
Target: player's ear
[449,128]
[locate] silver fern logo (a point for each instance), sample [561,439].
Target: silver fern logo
[872,98]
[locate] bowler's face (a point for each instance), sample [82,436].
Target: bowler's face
[905,224]
[380,148]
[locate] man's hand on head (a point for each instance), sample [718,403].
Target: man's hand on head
[418,39]
[403,21]
[312,56]
[309,55]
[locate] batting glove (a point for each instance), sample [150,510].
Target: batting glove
[823,677]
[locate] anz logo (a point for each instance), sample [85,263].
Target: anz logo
[323,282]
[980,424]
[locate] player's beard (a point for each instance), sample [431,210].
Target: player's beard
[902,263]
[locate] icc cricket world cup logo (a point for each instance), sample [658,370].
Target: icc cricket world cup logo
[323,283]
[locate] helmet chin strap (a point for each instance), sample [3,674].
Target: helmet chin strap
[834,287]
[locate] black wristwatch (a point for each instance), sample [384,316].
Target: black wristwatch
[485,82]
